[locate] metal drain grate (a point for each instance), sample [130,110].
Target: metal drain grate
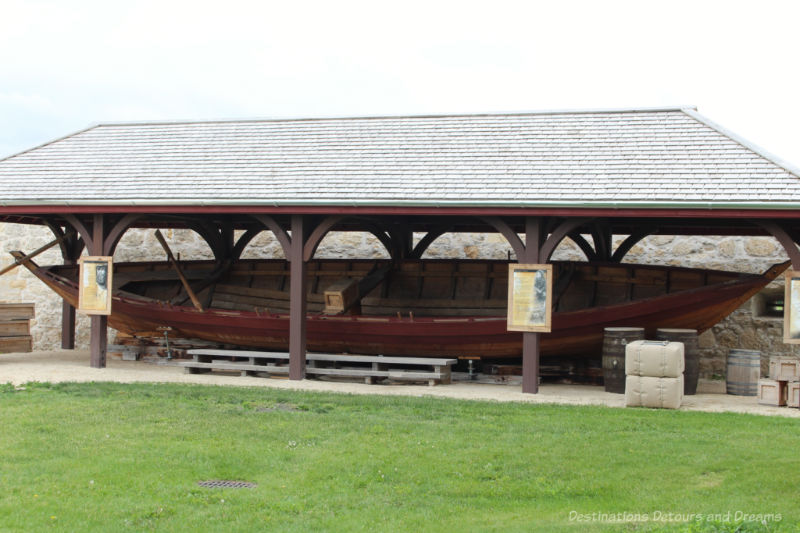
[225,484]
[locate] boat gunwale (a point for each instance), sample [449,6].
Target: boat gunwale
[742,278]
[212,263]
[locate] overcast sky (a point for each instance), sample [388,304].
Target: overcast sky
[66,65]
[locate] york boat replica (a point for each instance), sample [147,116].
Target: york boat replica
[410,307]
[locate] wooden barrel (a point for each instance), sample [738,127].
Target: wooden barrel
[691,354]
[614,342]
[744,369]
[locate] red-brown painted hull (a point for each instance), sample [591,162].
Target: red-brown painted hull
[574,333]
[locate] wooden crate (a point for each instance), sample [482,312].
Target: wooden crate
[772,392]
[793,394]
[20,311]
[21,343]
[14,328]
[784,368]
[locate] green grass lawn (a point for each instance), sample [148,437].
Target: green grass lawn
[113,457]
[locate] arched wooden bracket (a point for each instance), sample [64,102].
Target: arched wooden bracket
[97,239]
[511,236]
[568,226]
[392,243]
[630,241]
[117,231]
[218,237]
[392,248]
[243,241]
[427,240]
[82,230]
[71,247]
[280,234]
[318,234]
[584,245]
[785,239]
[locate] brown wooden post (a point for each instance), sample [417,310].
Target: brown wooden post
[71,248]
[99,323]
[99,340]
[530,362]
[67,320]
[297,300]
[67,326]
[530,340]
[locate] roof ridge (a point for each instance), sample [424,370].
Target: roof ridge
[48,143]
[385,117]
[785,165]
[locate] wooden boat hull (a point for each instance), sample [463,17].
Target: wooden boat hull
[574,333]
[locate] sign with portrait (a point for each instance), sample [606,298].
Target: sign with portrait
[791,308]
[530,292]
[94,287]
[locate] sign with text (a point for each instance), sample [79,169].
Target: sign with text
[530,292]
[791,308]
[94,287]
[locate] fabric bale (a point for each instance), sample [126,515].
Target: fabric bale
[646,391]
[657,359]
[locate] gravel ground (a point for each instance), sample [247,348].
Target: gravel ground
[73,365]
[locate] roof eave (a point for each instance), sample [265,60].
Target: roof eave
[542,204]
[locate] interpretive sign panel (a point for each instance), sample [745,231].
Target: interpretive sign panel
[530,292]
[791,308]
[94,288]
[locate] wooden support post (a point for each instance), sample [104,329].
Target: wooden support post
[67,326]
[67,310]
[297,301]
[99,340]
[99,323]
[530,362]
[530,340]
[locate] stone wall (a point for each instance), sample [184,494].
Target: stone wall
[743,329]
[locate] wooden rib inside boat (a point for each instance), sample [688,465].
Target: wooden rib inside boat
[411,307]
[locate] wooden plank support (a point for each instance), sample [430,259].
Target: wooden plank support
[432,370]
[27,257]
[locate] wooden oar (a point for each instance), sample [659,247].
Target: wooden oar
[177,267]
[19,260]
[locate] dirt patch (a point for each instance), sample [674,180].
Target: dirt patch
[73,366]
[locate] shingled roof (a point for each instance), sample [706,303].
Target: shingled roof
[657,157]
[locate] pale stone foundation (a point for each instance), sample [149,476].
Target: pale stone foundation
[746,328]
